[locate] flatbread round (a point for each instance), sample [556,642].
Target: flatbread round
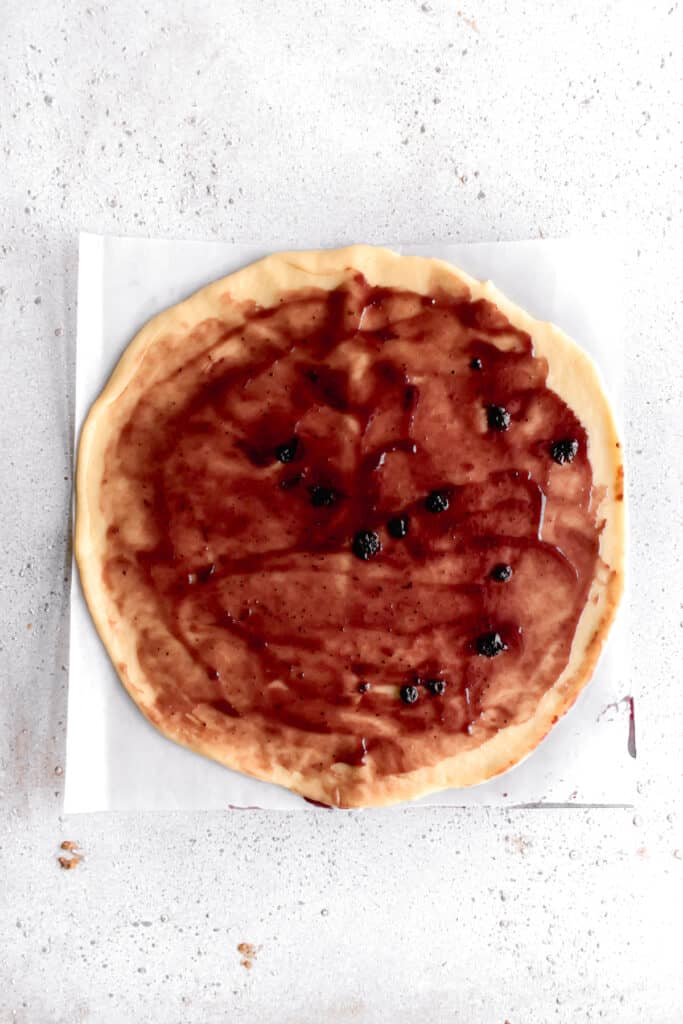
[352,522]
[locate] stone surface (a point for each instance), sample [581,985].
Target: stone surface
[357,121]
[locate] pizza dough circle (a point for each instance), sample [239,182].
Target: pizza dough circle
[571,374]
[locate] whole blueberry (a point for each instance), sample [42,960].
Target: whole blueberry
[287,452]
[366,544]
[322,496]
[409,694]
[489,645]
[564,450]
[398,526]
[437,501]
[497,417]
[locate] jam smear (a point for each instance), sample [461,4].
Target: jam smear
[254,510]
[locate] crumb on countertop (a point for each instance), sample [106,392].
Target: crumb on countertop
[69,863]
[247,951]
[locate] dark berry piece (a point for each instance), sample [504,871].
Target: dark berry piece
[564,450]
[501,573]
[366,544]
[398,526]
[322,496]
[490,644]
[410,396]
[205,573]
[437,687]
[437,501]
[476,364]
[287,452]
[363,687]
[409,694]
[385,334]
[498,418]
[288,482]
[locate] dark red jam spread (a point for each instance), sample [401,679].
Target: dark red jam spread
[321,507]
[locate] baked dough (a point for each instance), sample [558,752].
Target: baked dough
[216,328]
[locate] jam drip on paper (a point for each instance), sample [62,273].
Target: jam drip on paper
[313,513]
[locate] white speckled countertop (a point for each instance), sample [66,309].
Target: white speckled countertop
[267,123]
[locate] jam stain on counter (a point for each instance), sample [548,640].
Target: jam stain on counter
[247,952]
[330,519]
[74,857]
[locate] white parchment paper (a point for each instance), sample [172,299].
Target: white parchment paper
[115,759]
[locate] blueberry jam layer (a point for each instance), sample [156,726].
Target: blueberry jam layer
[309,522]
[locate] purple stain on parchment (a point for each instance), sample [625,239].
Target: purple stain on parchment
[631,741]
[631,746]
